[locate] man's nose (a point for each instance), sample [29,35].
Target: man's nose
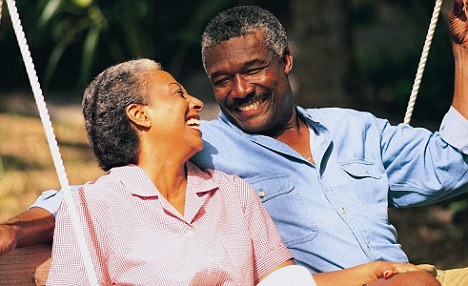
[242,87]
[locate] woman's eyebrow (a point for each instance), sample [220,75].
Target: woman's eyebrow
[176,83]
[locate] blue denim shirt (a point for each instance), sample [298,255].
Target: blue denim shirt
[333,215]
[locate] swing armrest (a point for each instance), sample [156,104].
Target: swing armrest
[26,266]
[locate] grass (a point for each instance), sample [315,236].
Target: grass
[26,165]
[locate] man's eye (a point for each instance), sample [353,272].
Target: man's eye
[254,70]
[220,82]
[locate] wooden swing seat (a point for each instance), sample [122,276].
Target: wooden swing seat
[26,266]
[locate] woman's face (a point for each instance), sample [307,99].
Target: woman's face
[174,113]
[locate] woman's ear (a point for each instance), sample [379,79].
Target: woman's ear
[137,115]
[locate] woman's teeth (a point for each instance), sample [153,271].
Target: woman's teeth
[193,123]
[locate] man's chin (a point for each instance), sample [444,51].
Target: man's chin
[251,124]
[251,127]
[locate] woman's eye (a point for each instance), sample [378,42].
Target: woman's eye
[181,93]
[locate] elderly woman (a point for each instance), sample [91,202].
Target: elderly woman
[156,219]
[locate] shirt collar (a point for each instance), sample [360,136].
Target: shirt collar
[137,182]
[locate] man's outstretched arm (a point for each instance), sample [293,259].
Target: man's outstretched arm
[458,20]
[31,227]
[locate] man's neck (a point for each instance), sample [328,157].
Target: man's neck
[297,136]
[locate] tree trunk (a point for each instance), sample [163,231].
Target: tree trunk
[323,52]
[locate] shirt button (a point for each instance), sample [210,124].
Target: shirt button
[342,210]
[367,246]
[261,194]
[190,234]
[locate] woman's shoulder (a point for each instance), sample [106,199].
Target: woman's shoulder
[232,185]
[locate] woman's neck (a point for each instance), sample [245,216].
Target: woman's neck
[168,174]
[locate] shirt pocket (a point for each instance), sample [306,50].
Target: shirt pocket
[365,186]
[361,169]
[286,208]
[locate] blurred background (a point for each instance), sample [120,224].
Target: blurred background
[360,54]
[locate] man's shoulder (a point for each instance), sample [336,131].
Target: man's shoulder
[213,124]
[335,113]
[331,116]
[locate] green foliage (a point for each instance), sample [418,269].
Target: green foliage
[389,41]
[71,41]
[84,23]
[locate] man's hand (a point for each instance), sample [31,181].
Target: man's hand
[32,227]
[458,22]
[459,31]
[8,238]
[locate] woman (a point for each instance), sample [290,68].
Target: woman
[156,219]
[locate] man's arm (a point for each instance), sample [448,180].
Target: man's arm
[31,227]
[458,29]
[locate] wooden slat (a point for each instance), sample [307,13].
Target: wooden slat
[26,266]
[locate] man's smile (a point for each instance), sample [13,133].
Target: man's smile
[251,105]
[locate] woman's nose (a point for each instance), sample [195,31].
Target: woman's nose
[196,103]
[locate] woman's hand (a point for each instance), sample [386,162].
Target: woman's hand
[388,269]
[365,273]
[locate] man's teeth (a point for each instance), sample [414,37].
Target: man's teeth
[250,106]
[194,123]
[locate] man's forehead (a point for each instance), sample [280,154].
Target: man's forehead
[238,46]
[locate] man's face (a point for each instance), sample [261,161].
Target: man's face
[250,84]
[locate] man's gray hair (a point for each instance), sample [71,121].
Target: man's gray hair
[244,20]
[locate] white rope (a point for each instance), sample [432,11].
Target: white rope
[44,115]
[1,6]
[422,61]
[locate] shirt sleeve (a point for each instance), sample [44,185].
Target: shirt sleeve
[454,130]
[50,200]
[423,167]
[269,249]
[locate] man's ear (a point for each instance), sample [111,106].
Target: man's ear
[287,61]
[137,115]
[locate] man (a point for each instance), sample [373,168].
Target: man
[326,176]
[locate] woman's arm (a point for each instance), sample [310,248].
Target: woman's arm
[366,273]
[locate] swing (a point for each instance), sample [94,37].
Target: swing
[30,265]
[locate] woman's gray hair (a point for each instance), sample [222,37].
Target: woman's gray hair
[114,140]
[244,20]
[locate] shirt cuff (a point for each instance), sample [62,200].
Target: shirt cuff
[454,130]
[289,275]
[50,200]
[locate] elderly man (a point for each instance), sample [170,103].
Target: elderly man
[326,176]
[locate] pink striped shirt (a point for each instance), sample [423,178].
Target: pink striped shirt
[136,237]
